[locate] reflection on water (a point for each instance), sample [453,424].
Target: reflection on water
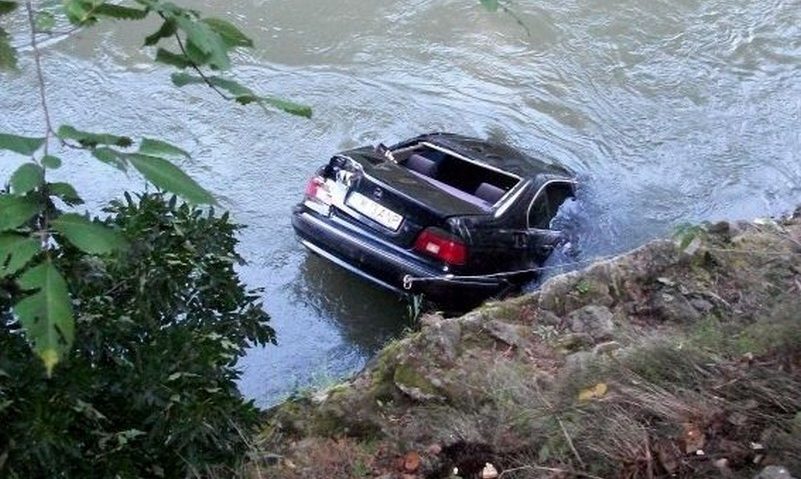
[669,111]
[363,317]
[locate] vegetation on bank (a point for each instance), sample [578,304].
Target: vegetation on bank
[676,360]
[137,317]
[149,388]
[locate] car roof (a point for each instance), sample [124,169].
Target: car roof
[494,154]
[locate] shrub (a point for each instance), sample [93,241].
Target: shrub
[149,385]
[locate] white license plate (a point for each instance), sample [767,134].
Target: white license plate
[376,212]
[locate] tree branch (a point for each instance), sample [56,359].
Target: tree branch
[39,76]
[196,67]
[44,223]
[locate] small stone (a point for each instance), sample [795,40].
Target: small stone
[593,320]
[674,308]
[548,318]
[573,341]
[489,472]
[606,348]
[694,246]
[722,228]
[505,332]
[579,361]
[702,305]
[666,281]
[774,472]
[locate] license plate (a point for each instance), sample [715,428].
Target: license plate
[376,212]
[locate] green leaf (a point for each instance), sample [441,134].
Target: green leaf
[8,55]
[288,106]
[175,59]
[88,236]
[491,5]
[119,12]
[45,21]
[20,144]
[15,252]
[67,132]
[65,192]
[51,162]
[201,36]
[183,79]
[7,7]
[242,94]
[29,176]
[111,157]
[167,29]
[16,211]
[160,148]
[47,314]
[229,33]
[169,177]
[79,12]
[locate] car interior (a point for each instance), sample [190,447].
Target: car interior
[459,176]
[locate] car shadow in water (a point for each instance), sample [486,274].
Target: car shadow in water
[367,316]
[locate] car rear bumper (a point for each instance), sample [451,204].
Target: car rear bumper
[384,264]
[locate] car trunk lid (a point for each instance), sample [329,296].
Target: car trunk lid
[394,202]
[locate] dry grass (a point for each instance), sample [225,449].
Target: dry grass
[660,397]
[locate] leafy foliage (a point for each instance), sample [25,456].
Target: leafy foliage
[47,313]
[30,210]
[149,386]
[241,93]
[92,238]
[20,144]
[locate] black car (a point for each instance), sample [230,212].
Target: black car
[455,218]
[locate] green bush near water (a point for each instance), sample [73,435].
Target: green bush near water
[148,388]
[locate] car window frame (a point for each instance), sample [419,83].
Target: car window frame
[539,193]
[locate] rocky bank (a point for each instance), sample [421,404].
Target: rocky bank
[679,359]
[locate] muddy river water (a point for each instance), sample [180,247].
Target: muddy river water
[669,111]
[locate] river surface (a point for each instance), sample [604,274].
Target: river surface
[670,111]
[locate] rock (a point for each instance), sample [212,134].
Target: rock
[694,246]
[446,335]
[721,229]
[578,361]
[702,305]
[414,384]
[505,332]
[430,320]
[573,341]
[675,308]
[548,318]
[593,320]
[606,348]
[774,472]
[489,472]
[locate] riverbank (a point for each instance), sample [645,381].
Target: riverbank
[680,358]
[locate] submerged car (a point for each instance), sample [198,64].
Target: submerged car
[457,219]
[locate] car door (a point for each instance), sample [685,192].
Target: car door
[542,209]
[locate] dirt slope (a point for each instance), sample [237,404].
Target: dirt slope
[679,359]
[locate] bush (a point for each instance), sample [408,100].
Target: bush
[149,386]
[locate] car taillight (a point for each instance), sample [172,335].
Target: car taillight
[441,245]
[317,190]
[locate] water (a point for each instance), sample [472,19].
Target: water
[669,111]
